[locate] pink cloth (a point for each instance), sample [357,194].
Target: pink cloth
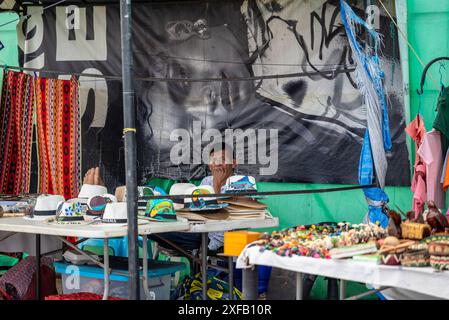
[417,130]
[432,155]
[419,189]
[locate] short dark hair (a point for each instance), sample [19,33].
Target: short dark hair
[220,147]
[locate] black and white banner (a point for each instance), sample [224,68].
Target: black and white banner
[300,129]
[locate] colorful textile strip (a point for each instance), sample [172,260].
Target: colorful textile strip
[59,136]
[16,121]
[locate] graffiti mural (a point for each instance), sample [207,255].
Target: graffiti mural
[320,118]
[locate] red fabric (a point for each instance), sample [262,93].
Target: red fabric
[59,136]
[80,296]
[16,127]
[47,284]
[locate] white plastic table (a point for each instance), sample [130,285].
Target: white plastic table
[426,281]
[21,225]
[221,226]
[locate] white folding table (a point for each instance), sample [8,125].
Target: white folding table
[21,225]
[221,226]
[427,281]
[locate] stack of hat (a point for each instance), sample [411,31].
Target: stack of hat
[199,200]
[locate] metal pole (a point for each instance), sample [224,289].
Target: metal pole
[250,279]
[129,132]
[204,263]
[299,286]
[38,266]
[231,277]
[342,289]
[106,269]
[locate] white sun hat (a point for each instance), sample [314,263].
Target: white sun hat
[180,189]
[45,207]
[89,190]
[115,213]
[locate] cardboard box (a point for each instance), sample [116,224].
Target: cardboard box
[235,241]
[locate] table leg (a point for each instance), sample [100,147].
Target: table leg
[204,263]
[299,286]
[38,266]
[106,268]
[231,277]
[147,292]
[342,289]
[250,279]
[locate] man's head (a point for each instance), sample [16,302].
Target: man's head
[222,157]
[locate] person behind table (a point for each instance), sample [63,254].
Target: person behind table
[222,164]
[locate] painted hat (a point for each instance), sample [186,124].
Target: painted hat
[97,204]
[201,203]
[69,213]
[45,207]
[180,189]
[239,183]
[160,210]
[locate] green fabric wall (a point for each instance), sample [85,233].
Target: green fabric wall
[8,36]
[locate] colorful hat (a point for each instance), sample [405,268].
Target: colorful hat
[180,189]
[201,203]
[69,213]
[45,207]
[237,184]
[97,204]
[160,210]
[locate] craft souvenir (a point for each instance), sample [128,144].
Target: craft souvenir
[439,248]
[414,230]
[435,219]
[69,213]
[97,204]
[200,201]
[238,183]
[160,210]
[416,256]
[394,224]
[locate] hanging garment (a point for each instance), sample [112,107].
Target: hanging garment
[369,79]
[416,130]
[16,121]
[441,122]
[430,152]
[419,189]
[59,136]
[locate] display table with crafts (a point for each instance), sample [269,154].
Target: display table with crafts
[363,253]
[423,280]
[23,225]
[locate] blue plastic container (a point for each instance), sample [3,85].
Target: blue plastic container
[117,246]
[91,279]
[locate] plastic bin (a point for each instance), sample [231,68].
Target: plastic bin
[117,246]
[91,279]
